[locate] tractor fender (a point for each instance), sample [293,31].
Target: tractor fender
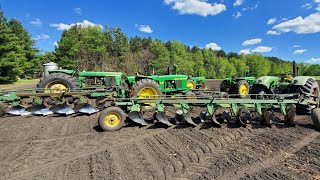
[69,72]
[267,81]
[300,80]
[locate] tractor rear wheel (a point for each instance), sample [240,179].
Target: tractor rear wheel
[224,86]
[112,119]
[147,88]
[315,116]
[58,82]
[310,87]
[243,88]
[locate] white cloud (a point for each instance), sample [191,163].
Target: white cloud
[262,49]
[144,28]
[41,37]
[317,1]
[238,3]
[314,60]
[307,6]
[299,51]
[299,25]
[245,51]
[251,7]
[36,22]
[56,44]
[296,46]
[213,46]
[273,33]
[252,41]
[85,23]
[318,8]
[272,21]
[78,11]
[237,15]
[198,7]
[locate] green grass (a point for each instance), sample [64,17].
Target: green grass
[317,77]
[22,81]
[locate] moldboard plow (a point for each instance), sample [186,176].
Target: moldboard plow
[114,110]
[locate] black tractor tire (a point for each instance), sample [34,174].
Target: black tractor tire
[65,79]
[105,121]
[239,91]
[147,83]
[224,86]
[310,87]
[315,116]
[258,89]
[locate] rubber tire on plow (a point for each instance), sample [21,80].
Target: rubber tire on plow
[147,85]
[243,92]
[311,87]
[62,79]
[117,122]
[224,86]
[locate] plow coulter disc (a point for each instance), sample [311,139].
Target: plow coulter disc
[39,110]
[18,111]
[135,116]
[62,109]
[85,109]
[160,116]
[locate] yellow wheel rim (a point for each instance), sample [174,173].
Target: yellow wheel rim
[112,119]
[148,92]
[190,85]
[56,87]
[243,90]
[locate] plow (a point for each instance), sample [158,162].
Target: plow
[115,111]
[122,99]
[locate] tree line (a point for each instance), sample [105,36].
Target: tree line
[109,49]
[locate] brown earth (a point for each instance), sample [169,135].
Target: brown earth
[74,147]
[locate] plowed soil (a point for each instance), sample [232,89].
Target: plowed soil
[74,147]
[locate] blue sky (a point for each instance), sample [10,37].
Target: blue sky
[288,29]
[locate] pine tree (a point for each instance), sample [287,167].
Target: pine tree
[12,55]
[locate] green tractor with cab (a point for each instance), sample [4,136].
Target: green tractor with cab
[237,85]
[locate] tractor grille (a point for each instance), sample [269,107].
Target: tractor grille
[179,84]
[110,81]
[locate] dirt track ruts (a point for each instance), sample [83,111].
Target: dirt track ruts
[75,148]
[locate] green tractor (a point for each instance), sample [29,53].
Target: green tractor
[237,85]
[287,84]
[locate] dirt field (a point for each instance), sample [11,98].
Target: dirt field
[74,147]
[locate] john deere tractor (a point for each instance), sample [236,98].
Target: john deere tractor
[284,84]
[237,85]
